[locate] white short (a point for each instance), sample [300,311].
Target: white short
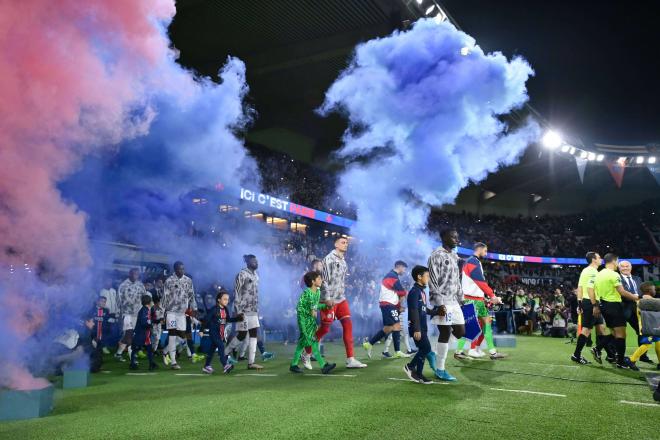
[454,316]
[129,322]
[248,322]
[175,321]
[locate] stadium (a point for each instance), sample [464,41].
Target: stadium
[329,219]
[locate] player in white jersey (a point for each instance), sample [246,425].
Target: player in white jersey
[178,296]
[130,297]
[446,294]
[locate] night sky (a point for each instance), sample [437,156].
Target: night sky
[596,62]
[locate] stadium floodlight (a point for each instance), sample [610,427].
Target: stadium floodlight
[571,150]
[565,148]
[551,139]
[583,155]
[591,156]
[419,2]
[639,160]
[465,51]
[652,160]
[600,157]
[429,10]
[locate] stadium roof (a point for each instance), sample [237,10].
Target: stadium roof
[595,80]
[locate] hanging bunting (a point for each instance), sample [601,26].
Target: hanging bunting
[655,171]
[581,166]
[617,167]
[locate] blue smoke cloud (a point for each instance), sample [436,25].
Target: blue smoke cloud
[142,193]
[192,143]
[424,109]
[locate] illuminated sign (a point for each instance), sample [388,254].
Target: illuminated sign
[293,208]
[506,258]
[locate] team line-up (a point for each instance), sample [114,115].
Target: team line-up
[450,282]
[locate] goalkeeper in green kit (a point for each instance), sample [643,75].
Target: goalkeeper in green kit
[308,305]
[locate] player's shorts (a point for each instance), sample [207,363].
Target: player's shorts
[339,311]
[588,320]
[648,339]
[613,314]
[129,322]
[175,321]
[390,315]
[479,306]
[248,323]
[454,316]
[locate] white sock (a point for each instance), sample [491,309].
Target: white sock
[253,350]
[388,342]
[188,352]
[130,351]
[120,349]
[406,339]
[441,348]
[231,346]
[171,348]
[244,346]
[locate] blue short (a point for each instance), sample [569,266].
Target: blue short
[390,315]
[648,339]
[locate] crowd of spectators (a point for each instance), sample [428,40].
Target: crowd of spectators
[624,231]
[301,183]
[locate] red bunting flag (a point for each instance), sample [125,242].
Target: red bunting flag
[617,167]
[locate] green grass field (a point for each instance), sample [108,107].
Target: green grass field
[581,402]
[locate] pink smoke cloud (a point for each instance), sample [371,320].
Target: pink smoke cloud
[71,73]
[76,79]
[22,322]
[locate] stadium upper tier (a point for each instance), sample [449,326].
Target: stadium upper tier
[630,233]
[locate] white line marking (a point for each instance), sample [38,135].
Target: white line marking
[191,374]
[140,374]
[408,380]
[530,392]
[330,375]
[256,374]
[640,403]
[106,372]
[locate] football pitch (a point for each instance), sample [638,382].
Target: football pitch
[536,393]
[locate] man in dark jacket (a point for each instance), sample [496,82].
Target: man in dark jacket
[631,283]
